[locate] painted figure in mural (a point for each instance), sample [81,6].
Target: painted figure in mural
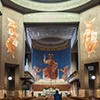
[65,70]
[51,70]
[12,41]
[36,70]
[90,37]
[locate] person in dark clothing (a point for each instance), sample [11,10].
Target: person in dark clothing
[32,93]
[61,96]
[57,96]
[5,95]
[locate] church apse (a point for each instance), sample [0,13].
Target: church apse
[51,67]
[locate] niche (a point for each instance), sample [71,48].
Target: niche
[92,69]
[11,76]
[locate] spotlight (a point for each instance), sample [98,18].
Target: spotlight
[93,77]
[10,78]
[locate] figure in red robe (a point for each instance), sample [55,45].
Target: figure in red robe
[51,70]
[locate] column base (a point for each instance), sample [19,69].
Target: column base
[82,92]
[97,93]
[89,93]
[20,93]
[2,92]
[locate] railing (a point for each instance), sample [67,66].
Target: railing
[73,77]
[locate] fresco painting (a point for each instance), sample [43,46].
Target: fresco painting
[51,70]
[36,72]
[12,41]
[90,38]
[65,71]
[51,66]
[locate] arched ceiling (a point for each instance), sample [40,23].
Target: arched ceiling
[50,6]
[31,6]
[52,37]
[49,1]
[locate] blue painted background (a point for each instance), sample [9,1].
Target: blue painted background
[62,57]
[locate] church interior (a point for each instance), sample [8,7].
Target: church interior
[48,46]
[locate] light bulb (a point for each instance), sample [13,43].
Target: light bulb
[10,78]
[93,77]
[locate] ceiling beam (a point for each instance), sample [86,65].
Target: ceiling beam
[44,17]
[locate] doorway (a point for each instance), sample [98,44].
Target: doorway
[92,73]
[10,78]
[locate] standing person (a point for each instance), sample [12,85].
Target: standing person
[57,96]
[61,96]
[51,70]
[32,93]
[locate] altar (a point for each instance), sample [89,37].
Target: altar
[61,87]
[49,90]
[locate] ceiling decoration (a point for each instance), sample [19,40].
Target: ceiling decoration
[42,37]
[49,1]
[32,5]
[50,37]
[51,31]
[46,45]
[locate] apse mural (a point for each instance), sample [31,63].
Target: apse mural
[36,70]
[51,66]
[12,41]
[90,37]
[65,71]
[51,70]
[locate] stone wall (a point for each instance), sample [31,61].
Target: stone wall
[73,66]
[83,55]
[0,52]
[6,57]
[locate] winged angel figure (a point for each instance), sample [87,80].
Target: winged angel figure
[90,37]
[12,40]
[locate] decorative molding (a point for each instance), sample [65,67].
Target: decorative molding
[1,7]
[48,17]
[39,87]
[51,48]
[33,5]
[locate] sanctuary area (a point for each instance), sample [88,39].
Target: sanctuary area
[49,47]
